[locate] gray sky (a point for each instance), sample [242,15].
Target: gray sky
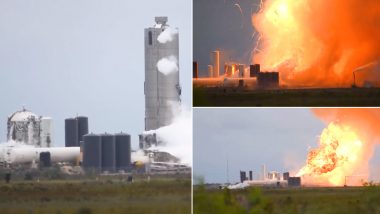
[249,137]
[219,24]
[60,58]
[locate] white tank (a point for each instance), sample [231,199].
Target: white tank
[15,153]
[210,71]
[215,55]
[28,128]
[46,134]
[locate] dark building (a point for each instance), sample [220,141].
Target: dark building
[243,176]
[294,181]
[195,69]
[268,80]
[45,159]
[254,70]
[285,176]
[250,176]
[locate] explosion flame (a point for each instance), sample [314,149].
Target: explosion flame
[340,149]
[345,147]
[318,43]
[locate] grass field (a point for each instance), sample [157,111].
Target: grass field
[159,195]
[287,97]
[301,200]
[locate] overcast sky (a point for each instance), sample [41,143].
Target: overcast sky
[226,26]
[250,137]
[62,58]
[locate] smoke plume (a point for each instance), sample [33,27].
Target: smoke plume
[319,43]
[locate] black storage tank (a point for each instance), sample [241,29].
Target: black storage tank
[71,132]
[45,159]
[92,152]
[243,176]
[108,152]
[195,69]
[123,151]
[82,127]
[294,181]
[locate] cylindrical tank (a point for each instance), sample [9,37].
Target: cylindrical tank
[195,70]
[71,132]
[285,176]
[264,172]
[82,127]
[254,70]
[92,152]
[26,154]
[46,133]
[24,126]
[215,55]
[210,71]
[243,176]
[241,70]
[123,151]
[161,90]
[45,159]
[108,152]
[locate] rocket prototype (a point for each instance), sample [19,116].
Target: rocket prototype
[162,89]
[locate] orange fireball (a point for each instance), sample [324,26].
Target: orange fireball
[339,153]
[319,43]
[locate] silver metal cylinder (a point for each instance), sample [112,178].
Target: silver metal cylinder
[210,71]
[162,91]
[215,60]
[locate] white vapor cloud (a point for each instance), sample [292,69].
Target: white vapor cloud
[178,135]
[168,65]
[167,35]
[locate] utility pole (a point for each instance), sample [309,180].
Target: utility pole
[228,174]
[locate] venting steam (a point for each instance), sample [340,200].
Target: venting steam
[167,35]
[178,135]
[168,65]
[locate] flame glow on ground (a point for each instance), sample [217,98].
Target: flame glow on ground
[340,149]
[319,43]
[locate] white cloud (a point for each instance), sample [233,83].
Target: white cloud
[167,35]
[168,65]
[178,136]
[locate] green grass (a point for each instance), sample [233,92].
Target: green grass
[287,97]
[302,200]
[160,195]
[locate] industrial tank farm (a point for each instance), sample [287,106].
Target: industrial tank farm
[30,136]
